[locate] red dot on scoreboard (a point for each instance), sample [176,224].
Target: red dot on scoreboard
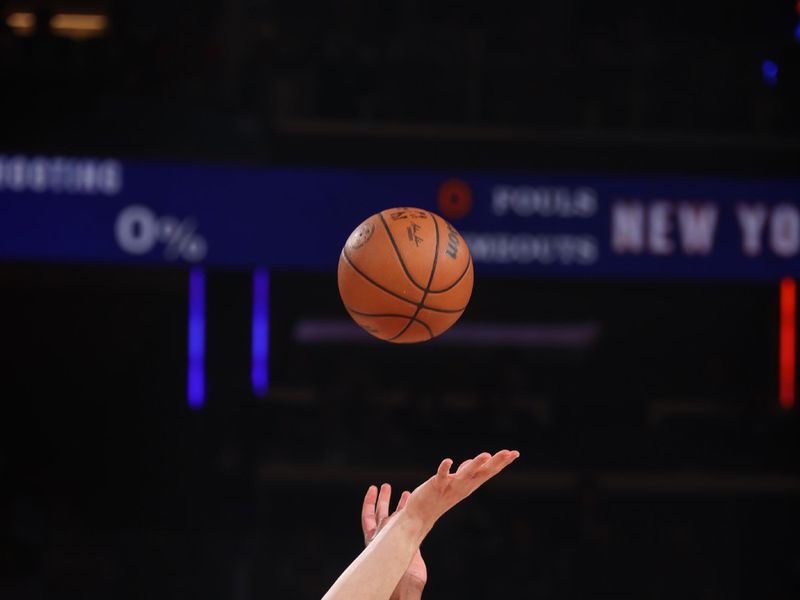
[454,199]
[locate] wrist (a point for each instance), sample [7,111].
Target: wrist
[417,526]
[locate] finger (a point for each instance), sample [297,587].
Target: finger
[505,458]
[490,468]
[497,463]
[368,523]
[463,464]
[475,464]
[383,503]
[444,468]
[499,459]
[403,500]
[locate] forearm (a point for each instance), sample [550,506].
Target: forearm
[375,573]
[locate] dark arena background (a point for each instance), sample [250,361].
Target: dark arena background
[188,412]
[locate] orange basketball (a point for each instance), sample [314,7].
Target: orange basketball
[405,275]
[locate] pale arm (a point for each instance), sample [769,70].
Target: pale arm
[374,515]
[374,574]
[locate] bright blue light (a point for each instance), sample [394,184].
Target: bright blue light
[769,70]
[797,33]
[196,375]
[259,361]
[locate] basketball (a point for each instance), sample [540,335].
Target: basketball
[405,275]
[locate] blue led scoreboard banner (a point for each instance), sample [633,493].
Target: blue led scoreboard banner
[104,210]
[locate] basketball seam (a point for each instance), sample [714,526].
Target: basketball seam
[396,295]
[456,282]
[427,287]
[365,314]
[400,256]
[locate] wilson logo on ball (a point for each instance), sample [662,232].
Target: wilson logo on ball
[452,242]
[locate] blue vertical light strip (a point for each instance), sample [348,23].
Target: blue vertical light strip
[259,361]
[196,374]
[769,71]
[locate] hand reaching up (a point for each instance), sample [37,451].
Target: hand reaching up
[444,490]
[394,540]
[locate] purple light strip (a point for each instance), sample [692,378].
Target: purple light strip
[543,335]
[196,373]
[259,361]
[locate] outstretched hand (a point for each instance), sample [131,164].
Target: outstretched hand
[394,540]
[444,490]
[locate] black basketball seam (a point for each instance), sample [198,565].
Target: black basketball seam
[456,282]
[427,287]
[397,251]
[373,282]
[396,295]
[365,314]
